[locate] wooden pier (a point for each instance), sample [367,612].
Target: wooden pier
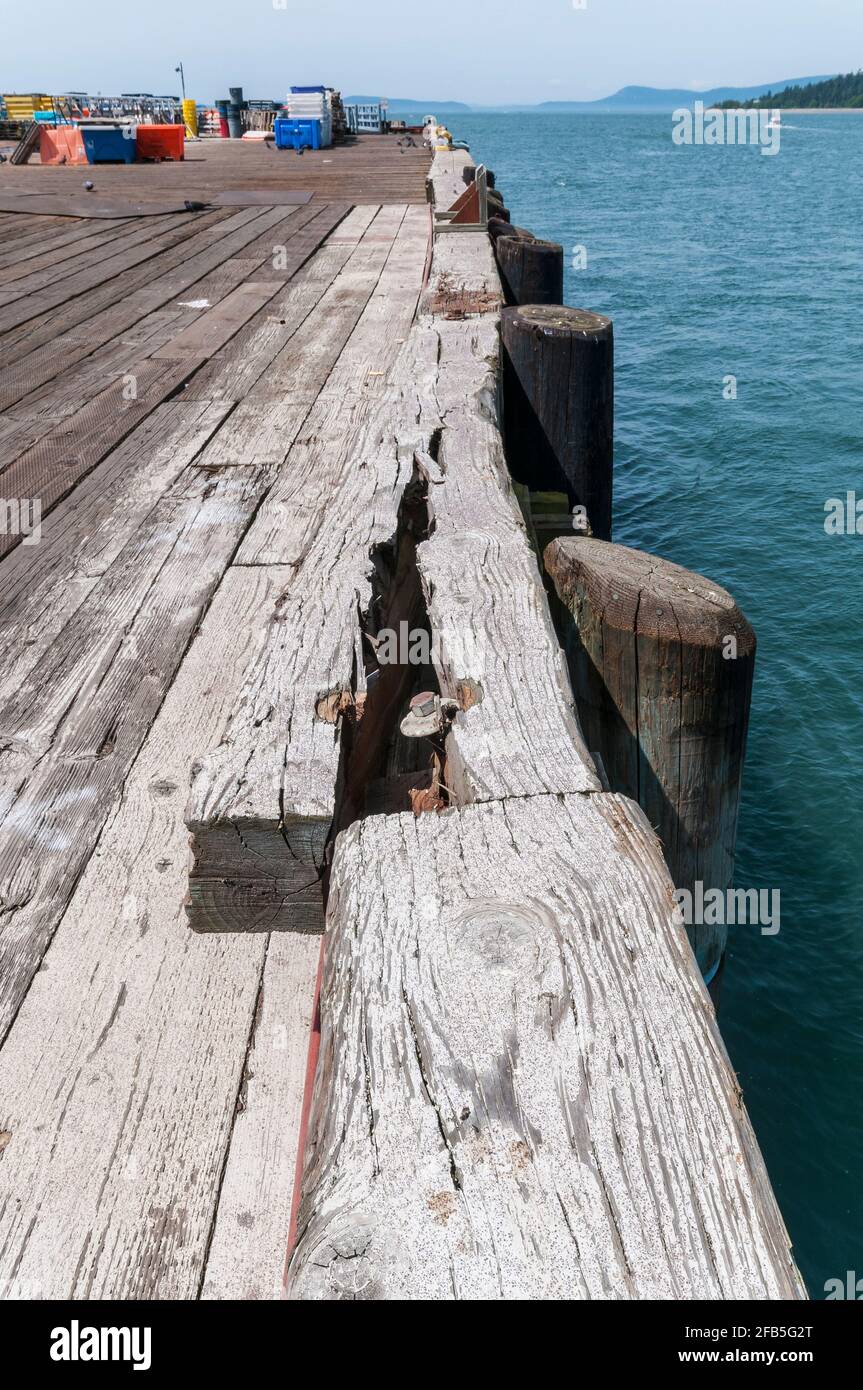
[261,435]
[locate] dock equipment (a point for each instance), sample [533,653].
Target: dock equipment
[298,135]
[109,144]
[365,119]
[160,141]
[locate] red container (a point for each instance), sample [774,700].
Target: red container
[224,132]
[161,141]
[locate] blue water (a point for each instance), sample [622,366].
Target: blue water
[715,262]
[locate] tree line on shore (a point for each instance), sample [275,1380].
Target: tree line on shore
[835,91]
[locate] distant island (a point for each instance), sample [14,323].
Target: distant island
[629,99]
[845,92]
[400,105]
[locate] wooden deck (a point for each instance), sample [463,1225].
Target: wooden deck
[260,436]
[373,169]
[160,376]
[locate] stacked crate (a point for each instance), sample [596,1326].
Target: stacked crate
[24,107]
[340,120]
[313,104]
[369,119]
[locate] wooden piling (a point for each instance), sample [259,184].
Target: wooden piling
[468,173]
[499,226]
[661,662]
[559,405]
[531,271]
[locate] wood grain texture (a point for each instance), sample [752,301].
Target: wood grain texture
[531,271]
[371,169]
[50,468]
[246,1258]
[262,804]
[662,664]
[487,606]
[521,1090]
[559,405]
[71,727]
[446,176]
[193,249]
[120,1080]
[520,1057]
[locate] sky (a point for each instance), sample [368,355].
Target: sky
[485,52]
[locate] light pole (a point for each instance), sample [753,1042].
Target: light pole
[179,69]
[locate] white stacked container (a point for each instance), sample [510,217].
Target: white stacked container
[313,106]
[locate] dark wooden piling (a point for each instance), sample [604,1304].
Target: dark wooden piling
[559,405]
[469,175]
[662,664]
[499,226]
[531,271]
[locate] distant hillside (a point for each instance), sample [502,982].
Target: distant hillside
[668,99]
[401,104]
[640,99]
[830,91]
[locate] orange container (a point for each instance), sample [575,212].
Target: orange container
[160,141]
[61,144]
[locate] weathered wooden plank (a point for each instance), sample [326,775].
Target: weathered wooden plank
[521,1091]
[231,376]
[127,1064]
[246,1258]
[518,735]
[25,238]
[261,818]
[50,468]
[85,360]
[356,284]
[193,249]
[137,234]
[201,289]
[262,806]
[24,259]
[130,255]
[42,586]
[72,726]
[446,176]
[92,319]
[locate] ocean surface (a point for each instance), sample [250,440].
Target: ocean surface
[717,262]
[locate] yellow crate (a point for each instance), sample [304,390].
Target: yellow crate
[23,106]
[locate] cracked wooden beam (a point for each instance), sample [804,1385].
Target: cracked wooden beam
[521,1090]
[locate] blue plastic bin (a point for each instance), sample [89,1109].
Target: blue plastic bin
[295,135]
[109,145]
